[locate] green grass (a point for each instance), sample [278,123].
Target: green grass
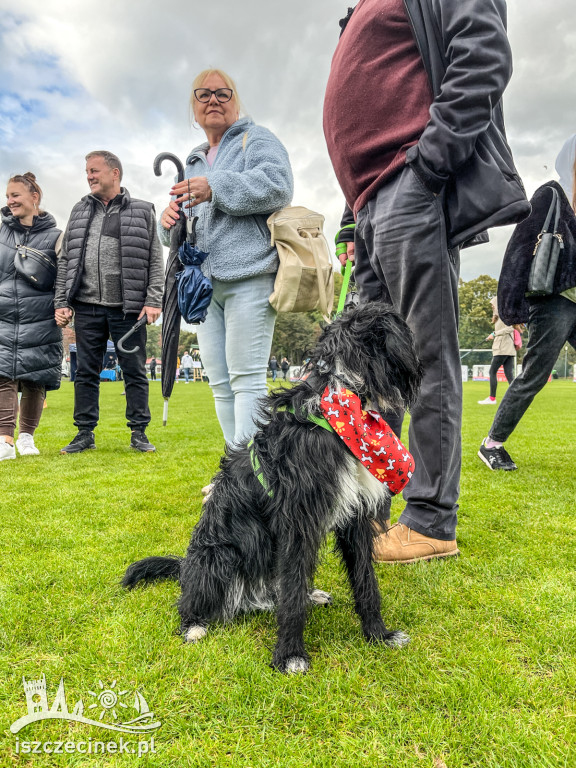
[489,679]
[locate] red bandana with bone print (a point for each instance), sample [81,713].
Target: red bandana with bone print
[369,437]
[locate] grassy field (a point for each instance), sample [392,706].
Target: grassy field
[489,679]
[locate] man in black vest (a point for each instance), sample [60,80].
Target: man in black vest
[110,274]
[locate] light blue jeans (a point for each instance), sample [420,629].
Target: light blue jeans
[235,342]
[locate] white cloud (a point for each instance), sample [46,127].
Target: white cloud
[116,74]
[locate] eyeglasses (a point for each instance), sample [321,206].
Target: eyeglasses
[203,95]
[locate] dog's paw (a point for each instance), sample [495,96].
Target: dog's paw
[294,665]
[319,597]
[396,639]
[195,633]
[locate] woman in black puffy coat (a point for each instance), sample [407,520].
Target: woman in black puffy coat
[30,340]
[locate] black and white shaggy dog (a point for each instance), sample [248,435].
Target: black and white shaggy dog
[275,498]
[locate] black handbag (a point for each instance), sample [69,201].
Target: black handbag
[546,253]
[34,266]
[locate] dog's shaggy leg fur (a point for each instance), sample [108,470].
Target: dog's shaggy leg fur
[354,543]
[206,576]
[297,563]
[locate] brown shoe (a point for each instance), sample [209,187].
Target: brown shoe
[403,545]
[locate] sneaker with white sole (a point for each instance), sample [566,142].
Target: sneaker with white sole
[488,401]
[25,445]
[7,450]
[496,458]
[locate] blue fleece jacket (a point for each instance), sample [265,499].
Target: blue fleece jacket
[250,179]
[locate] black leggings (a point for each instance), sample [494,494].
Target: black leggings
[508,362]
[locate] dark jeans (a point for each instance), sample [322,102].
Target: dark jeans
[94,324]
[551,324]
[403,259]
[507,361]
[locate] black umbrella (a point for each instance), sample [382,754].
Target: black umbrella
[170,312]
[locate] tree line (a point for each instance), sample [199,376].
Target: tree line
[296,333]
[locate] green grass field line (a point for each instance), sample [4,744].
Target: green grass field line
[489,679]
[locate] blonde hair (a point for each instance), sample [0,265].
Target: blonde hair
[199,79]
[29,181]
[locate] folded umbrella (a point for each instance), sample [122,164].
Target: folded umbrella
[194,288]
[170,311]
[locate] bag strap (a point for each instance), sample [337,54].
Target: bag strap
[554,208]
[557,215]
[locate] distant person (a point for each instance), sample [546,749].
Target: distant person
[152,367]
[110,275]
[110,360]
[186,365]
[30,341]
[503,352]
[273,365]
[285,367]
[551,319]
[234,181]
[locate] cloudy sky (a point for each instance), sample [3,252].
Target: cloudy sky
[79,75]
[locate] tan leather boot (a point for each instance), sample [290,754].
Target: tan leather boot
[403,545]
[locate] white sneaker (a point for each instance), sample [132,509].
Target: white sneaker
[488,401]
[25,445]
[7,451]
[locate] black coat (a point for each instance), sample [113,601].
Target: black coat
[30,340]
[513,306]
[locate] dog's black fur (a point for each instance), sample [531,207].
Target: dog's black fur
[256,547]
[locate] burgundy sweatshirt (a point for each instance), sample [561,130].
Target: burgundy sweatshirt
[377,99]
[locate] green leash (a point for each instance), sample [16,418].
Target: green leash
[344,290]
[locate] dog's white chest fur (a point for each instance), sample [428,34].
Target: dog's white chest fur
[357,488]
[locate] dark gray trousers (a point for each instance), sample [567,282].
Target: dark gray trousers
[402,258]
[552,323]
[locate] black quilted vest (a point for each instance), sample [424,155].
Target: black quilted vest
[135,222]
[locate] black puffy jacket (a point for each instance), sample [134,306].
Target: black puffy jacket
[30,340]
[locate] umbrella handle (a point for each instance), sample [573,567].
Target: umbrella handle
[159,159]
[126,336]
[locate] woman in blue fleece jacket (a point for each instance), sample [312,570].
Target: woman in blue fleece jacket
[233,182]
